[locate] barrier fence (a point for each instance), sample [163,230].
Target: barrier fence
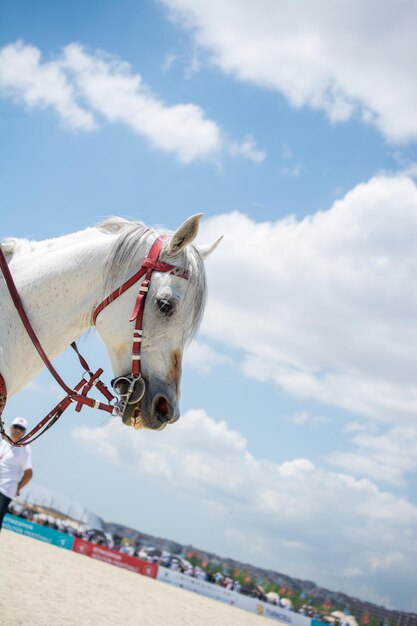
[210,590]
[153,570]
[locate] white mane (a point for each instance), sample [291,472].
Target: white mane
[22,247]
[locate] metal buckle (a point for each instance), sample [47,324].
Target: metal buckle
[130,390]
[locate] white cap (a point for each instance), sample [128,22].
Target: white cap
[20,421]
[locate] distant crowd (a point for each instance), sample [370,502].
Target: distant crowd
[32,515]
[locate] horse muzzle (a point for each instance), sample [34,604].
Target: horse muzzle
[136,410]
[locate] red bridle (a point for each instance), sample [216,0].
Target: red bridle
[79,394]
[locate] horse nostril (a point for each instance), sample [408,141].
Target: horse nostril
[163,409]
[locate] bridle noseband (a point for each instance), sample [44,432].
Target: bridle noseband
[130,388]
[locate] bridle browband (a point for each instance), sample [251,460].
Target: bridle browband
[126,387]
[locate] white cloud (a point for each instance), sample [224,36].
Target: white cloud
[303,419]
[106,86]
[113,90]
[282,513]
[202,357]
[40,85]
[353,572]
[344,59]
[300,418]
[291,169]
[294,171]
[381,457]
[190,62]
[329,300]
[169,61]
[247,149]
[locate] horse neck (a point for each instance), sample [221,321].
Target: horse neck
[59,282]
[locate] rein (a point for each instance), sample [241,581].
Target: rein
[80,391]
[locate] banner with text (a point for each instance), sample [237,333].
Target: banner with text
[37,531]
[115,558]
[217,592]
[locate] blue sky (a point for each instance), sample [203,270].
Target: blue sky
[292,127]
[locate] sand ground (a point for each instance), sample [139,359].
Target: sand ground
[43,585]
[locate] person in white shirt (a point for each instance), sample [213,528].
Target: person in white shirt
[15,466]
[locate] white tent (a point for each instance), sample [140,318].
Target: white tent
[342,617]
[272,596]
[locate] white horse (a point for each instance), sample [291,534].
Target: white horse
[62,281]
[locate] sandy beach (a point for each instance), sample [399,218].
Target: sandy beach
[43,585]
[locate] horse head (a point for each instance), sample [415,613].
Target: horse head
[172,304]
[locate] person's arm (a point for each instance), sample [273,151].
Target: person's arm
[27,476]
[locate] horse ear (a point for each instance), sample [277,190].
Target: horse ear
[205,251]
[184,235]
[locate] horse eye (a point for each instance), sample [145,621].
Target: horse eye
[166,306]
